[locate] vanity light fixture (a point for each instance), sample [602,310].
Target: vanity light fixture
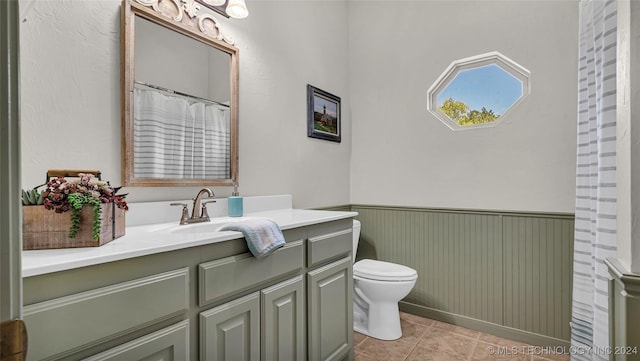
[214,2]
[237,9]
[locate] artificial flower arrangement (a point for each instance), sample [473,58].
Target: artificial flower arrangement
[70,195]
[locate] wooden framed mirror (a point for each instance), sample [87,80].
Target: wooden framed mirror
[179,96]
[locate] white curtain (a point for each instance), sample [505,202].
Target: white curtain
[179,138]
[595,224]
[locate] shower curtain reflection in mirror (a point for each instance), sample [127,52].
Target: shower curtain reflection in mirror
[176,137]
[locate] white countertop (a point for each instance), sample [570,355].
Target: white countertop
[156,238]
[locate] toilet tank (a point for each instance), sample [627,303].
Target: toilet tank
[356,238]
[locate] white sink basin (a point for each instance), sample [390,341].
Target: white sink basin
[213,225]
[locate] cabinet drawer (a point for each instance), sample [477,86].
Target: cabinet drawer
[170,343]
[329,246]
[224,277]
[68,324]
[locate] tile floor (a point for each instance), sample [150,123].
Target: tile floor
[424,339]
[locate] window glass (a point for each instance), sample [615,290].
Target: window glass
[478,91]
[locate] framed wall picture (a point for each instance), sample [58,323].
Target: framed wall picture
[323,115]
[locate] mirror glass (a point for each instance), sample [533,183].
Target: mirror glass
[181,121]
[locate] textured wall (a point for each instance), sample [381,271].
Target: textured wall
[378,57]
[70,88]
[402,155]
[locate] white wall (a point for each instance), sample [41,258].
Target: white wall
[70,87]
[380,58]
[70,94]
[402,155]
[285,45]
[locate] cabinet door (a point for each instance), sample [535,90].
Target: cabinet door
[330,310]
[283,321]
[170,343]
[231,331]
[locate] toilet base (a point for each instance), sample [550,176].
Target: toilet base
[377,288]
[381,321]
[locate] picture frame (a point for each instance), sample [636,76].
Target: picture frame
[323,115]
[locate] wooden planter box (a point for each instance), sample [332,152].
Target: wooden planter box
[44,228]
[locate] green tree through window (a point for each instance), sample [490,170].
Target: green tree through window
[461,113]
[478,91]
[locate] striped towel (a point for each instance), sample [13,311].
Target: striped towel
[263,235]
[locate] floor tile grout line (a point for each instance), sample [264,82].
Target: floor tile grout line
[415,344]
[473,350]
[361,342]
[418,339]
[476,340]
[410,352]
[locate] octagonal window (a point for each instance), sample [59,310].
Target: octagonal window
[479,91]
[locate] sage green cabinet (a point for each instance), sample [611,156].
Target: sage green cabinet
[62,327]
[231,331]
[171,343]
[330,311]
[233,275]
[209,302]
[283,321]
[271,320]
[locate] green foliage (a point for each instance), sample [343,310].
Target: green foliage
[76,201]
[454,109]
[62,195]
[32,197]
[461,113]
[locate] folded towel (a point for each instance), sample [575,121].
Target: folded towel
[263,235]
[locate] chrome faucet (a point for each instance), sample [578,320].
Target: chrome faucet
[203,208]
[199,210]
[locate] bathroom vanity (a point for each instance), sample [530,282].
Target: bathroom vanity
[165,291]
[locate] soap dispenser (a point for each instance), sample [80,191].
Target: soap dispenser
[235,203]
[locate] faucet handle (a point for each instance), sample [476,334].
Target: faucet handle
[185,212]
[204,209]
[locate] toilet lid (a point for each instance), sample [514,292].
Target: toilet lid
[383,271]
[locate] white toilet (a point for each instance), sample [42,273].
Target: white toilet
[378,286]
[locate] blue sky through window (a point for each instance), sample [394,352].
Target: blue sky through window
[487,86]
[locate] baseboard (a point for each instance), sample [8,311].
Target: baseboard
[483,326]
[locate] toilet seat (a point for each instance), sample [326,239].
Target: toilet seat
[383,271]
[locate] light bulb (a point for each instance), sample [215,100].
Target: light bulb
[237,9]
[214,2]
